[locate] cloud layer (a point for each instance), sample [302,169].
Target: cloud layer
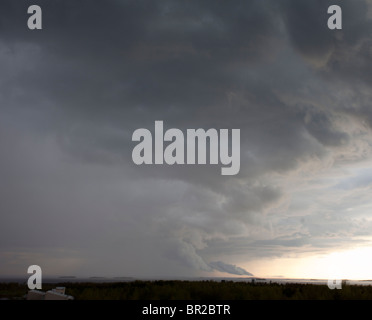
[72,94]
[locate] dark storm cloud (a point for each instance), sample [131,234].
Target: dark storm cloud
[153,55]
[224,267]
[180,61]
[72,94]
[306,23]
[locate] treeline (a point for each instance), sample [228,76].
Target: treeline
[196,290]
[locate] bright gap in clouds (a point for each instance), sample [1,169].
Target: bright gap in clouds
[355,264]
[352,264]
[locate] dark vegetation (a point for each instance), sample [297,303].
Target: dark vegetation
[195,290]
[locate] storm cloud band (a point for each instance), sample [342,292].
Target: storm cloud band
[72,94]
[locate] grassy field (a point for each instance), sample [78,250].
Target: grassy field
[195,290]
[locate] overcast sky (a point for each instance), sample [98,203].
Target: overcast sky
[71,95]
